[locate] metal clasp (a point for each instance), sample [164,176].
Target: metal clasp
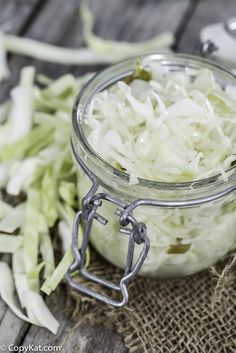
[205,49]
[137,236]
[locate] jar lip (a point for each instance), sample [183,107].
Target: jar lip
[114,73]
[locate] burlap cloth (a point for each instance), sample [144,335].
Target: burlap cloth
[196,314]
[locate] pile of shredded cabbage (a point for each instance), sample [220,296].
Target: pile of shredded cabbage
[37,170]
[165,126]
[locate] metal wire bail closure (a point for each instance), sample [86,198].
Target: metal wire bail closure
[129,225]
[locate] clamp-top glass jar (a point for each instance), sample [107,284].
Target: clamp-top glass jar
[167,229]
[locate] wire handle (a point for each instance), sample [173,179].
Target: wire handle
[137,235]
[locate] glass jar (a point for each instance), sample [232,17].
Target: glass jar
[190,225]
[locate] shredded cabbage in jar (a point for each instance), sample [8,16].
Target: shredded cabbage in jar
[165,126]
[168,126]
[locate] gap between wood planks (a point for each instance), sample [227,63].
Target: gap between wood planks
[30,19]
[187,16]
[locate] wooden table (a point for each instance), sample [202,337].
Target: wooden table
[58,22]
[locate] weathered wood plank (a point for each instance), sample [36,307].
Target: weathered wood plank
[207,12]
[3,309]
[137,20]
[15,13]
[12,329]
[85,339]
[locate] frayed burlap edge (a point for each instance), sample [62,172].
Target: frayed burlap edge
[224,278]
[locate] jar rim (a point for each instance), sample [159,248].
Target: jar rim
[109,76]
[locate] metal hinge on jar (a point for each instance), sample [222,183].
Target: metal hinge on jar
[129,225]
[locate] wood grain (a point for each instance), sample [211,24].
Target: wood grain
[12,329]
[15,17]
[3,309]
[15,14]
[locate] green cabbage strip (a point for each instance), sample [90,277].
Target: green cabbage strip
[46,248]
[20,278]
[98,54]
[13,220]
[49,196]
[5,209]
[4,71]
[22,107]
[10,243]
[31,237]
[52,282]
